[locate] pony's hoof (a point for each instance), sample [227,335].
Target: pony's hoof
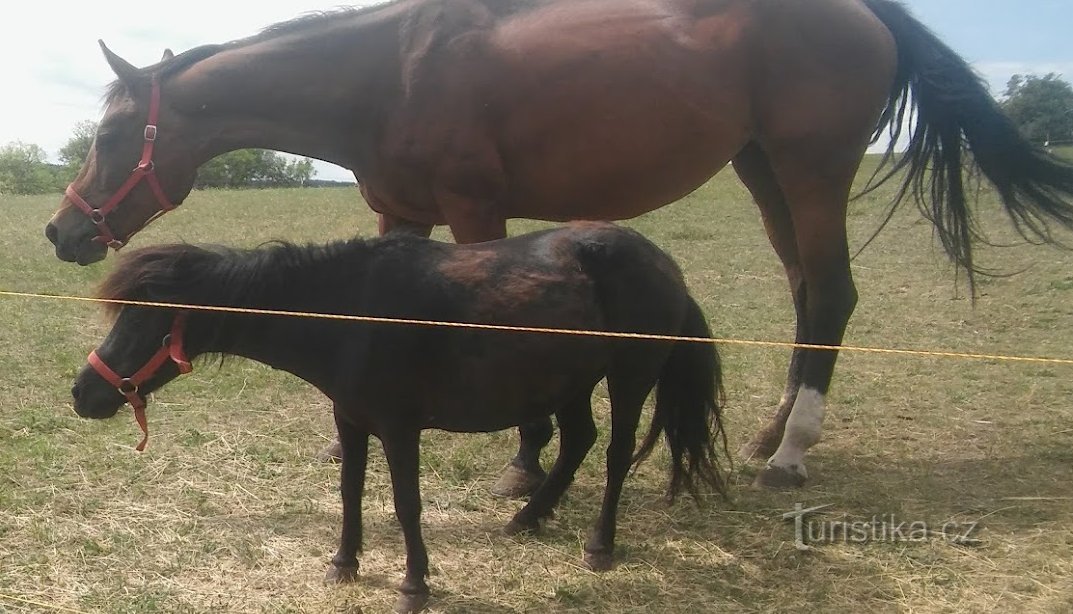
[759,448]
[781,478]
[411,603]
[331,454]
[599,561]
[517,483]
[517,527]
[341,575]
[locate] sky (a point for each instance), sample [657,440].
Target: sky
[53,73]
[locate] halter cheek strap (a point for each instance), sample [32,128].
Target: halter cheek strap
[171,348]
[146,170]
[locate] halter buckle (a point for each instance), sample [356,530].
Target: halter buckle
[150,132]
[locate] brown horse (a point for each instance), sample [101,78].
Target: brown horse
[471,112]
[393,381]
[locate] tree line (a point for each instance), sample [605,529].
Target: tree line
[25,169]
[1042,107]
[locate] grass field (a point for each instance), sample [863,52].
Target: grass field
[227,511]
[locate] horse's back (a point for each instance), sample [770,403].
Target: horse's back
[692,82]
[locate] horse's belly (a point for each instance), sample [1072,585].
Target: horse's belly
[616,119]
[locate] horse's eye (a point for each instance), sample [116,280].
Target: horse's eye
[104,141]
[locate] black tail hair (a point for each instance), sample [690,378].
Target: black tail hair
[955,114]
[689,409]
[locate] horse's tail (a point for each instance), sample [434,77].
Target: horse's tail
[689,400]
[955,112]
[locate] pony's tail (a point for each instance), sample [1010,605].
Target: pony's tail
[956,115]
[689,400]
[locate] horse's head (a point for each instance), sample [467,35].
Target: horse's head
[140,165]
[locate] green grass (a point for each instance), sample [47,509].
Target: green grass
[226,510]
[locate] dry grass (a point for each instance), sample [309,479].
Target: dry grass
[226,511]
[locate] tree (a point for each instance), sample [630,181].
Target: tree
[75,152]
[24,170]
[1042,107]
[253,168]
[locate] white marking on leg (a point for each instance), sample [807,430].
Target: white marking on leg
[803,429]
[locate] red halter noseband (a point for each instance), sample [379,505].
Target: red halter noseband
[170,348]
[145,170]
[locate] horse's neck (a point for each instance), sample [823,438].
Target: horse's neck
[317,91]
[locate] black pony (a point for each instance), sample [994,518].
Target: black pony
[392,381]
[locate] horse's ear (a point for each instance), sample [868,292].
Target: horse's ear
[127,72]
[168,55]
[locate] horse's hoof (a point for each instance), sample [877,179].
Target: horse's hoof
[599,561]
[341,575]
[516,527]
[411,603]
[332,454]
[760,448]
[517,483]
[781,478]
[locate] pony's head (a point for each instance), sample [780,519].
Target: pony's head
[139,165]
[147,346]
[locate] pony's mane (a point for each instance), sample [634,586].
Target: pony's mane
[212,274]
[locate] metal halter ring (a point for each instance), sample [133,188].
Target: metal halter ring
[126,383]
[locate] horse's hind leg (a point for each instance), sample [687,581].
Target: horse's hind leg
[754,170]
[816,176]
[577,433]
[628,393]
[524,474]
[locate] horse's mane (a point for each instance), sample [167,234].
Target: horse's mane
[211,274]
[301,23]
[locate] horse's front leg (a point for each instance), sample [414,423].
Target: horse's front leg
[355,445]
[402,447]
[388,223]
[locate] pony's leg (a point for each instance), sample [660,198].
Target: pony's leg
[628,392]
[474,220]
[402,448]
[387,223]
[577,434]
[816,176]
[754,170]
[355,442]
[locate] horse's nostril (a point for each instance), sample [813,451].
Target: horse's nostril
[52,233]
[76,390]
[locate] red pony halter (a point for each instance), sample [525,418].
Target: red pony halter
[145,170]
[170,348]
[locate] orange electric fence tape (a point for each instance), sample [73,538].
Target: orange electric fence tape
[541,330]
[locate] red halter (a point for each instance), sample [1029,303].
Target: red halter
[145,170]
[171,348]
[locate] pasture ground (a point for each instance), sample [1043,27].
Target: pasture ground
[227,511]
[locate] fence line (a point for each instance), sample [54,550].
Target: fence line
[538,329]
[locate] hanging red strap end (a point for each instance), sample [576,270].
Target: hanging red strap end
[139,417]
